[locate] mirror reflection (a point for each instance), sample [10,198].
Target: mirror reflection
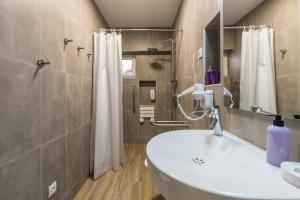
[261,61]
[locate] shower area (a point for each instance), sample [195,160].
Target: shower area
[149,84]
[134,90]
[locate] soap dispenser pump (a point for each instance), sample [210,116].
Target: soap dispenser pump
[278,142]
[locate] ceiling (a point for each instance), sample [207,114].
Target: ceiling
[234,10]
[139,13]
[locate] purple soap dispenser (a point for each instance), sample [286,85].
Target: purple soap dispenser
[278,142]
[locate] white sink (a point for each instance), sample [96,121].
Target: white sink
[195,164]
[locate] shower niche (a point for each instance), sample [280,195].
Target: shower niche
[212,51]
[147,99]
[147,92]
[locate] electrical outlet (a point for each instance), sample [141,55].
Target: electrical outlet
[52,189]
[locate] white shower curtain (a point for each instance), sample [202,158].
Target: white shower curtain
[107,106]
[257,76]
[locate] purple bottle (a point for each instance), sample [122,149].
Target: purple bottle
[278,142]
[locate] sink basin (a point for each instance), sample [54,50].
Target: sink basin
[195,164]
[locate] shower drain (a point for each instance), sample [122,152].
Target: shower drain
[198,161]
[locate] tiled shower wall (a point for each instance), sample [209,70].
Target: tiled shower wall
[192,18]
[45,113]
[148,67]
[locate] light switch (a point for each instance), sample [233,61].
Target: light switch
[200,53]
[52,189]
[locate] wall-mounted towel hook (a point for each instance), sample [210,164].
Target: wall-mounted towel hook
[283,52]
[66,41]
[89,54]
[41,63]
[79,48]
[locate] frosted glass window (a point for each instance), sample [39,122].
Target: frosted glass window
[128,67]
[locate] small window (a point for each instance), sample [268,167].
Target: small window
[128,67]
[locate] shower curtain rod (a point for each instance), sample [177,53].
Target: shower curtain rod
[142,29]
[242,27]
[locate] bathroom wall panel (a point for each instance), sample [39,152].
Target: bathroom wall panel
[87,70]
[287,99]
[7,48]
[74,156]
[19,109]
[74,104]
[21,178]
[163,102]
[86,139]
[152,68]
[75,59]
[86,100]
[130,126]
[25,28]
[53,104]
[141,41]
[33,103]
[192,18]
[252,127]
[54,166]
[53,21]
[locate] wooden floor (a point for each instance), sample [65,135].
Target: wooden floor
[132,182]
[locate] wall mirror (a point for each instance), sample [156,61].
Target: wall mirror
[261,63]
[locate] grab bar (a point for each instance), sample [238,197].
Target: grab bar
[133,99]
[170,123]
[174,122]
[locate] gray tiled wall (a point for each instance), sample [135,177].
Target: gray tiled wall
[45,114]
[192,18]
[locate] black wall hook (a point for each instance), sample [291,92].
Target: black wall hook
[66,41]
[41,63]
[79,48]
[89,54]
[283,52]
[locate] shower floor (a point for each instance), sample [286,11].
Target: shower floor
[132,182]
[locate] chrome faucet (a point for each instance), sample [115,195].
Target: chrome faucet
[216,124]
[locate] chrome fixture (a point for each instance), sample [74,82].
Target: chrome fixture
[89,54]
[173,124]
[66,41]
[174,81]
[216,124]
[41,63]
[79,48]
[247,27]
[283,52]
[259,109]
[142,29]
[133,99]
